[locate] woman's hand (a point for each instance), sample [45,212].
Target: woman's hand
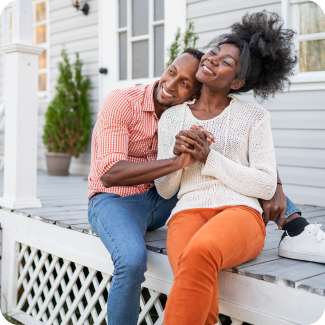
[275,207]
[198,141]
[179,141]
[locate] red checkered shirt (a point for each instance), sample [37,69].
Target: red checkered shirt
[126,129]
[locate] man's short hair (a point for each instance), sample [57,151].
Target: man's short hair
[195,53]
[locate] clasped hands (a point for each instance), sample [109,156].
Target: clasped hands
[192,145]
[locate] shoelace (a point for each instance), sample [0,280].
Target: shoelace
[317,232]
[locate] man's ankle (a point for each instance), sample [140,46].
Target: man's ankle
[296,226]
[291,217]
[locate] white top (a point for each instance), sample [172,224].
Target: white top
[240,167]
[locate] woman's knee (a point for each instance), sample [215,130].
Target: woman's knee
[201,252]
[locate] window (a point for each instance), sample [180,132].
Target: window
[39,37]
[309,21]
[141,38]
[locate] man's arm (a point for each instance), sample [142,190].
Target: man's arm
[126,173]
[275,207]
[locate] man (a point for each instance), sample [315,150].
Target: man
[123,202]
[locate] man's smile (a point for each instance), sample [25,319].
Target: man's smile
[165,93]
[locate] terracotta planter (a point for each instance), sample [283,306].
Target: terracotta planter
[58,163]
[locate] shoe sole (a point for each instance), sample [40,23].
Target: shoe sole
[304,257]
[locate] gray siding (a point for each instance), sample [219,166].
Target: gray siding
[77,33]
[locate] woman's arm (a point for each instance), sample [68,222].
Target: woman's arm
[257,180]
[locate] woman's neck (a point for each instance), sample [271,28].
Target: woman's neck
[210,104]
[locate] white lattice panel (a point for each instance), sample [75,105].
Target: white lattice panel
[59,292]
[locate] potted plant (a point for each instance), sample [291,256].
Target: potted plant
[68,117]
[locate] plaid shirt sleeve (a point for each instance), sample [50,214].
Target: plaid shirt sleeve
[112,131]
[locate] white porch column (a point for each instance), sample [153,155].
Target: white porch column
[21,80]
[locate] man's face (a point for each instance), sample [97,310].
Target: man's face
[178,83]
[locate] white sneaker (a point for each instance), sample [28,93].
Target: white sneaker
[308,246]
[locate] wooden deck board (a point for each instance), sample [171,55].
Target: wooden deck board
[314,284]
[283,271]
[65,201]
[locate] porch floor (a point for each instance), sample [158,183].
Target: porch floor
[65,201]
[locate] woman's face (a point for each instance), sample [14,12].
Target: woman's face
[218,68]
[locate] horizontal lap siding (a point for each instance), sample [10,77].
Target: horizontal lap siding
[1,84]
[298,125]
[213,17]
[1,67]
[75,32]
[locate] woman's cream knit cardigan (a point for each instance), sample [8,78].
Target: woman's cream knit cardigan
[240,167]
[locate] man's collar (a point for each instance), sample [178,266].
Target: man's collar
[148,103]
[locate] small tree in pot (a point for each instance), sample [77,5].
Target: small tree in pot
[68,117]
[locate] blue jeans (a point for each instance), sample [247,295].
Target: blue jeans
[121,223]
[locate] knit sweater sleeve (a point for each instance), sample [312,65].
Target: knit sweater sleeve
[259,178]
[167,186]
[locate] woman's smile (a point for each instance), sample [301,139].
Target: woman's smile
[206,69]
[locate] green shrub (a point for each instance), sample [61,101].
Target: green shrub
[68,117]
[182,42]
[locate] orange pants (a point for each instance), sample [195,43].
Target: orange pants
[200,243]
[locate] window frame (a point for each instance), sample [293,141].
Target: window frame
[131,39]
[175,17]
[46,45]
[294,19]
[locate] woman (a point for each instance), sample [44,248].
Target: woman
[217,222]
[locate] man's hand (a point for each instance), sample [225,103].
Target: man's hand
[275,207]
[180,142]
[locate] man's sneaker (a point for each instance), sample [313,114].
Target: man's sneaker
[308,246]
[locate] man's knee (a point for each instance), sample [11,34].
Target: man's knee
[132,265]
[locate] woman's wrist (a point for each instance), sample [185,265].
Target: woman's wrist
[205,158]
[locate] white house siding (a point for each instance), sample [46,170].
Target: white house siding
[213,17]
[1,86]
[77,33]
[1,63]
[297,117]
[298,124]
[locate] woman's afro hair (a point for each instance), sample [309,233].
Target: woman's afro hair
[267,53]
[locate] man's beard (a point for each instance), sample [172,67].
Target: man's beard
[160,103]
